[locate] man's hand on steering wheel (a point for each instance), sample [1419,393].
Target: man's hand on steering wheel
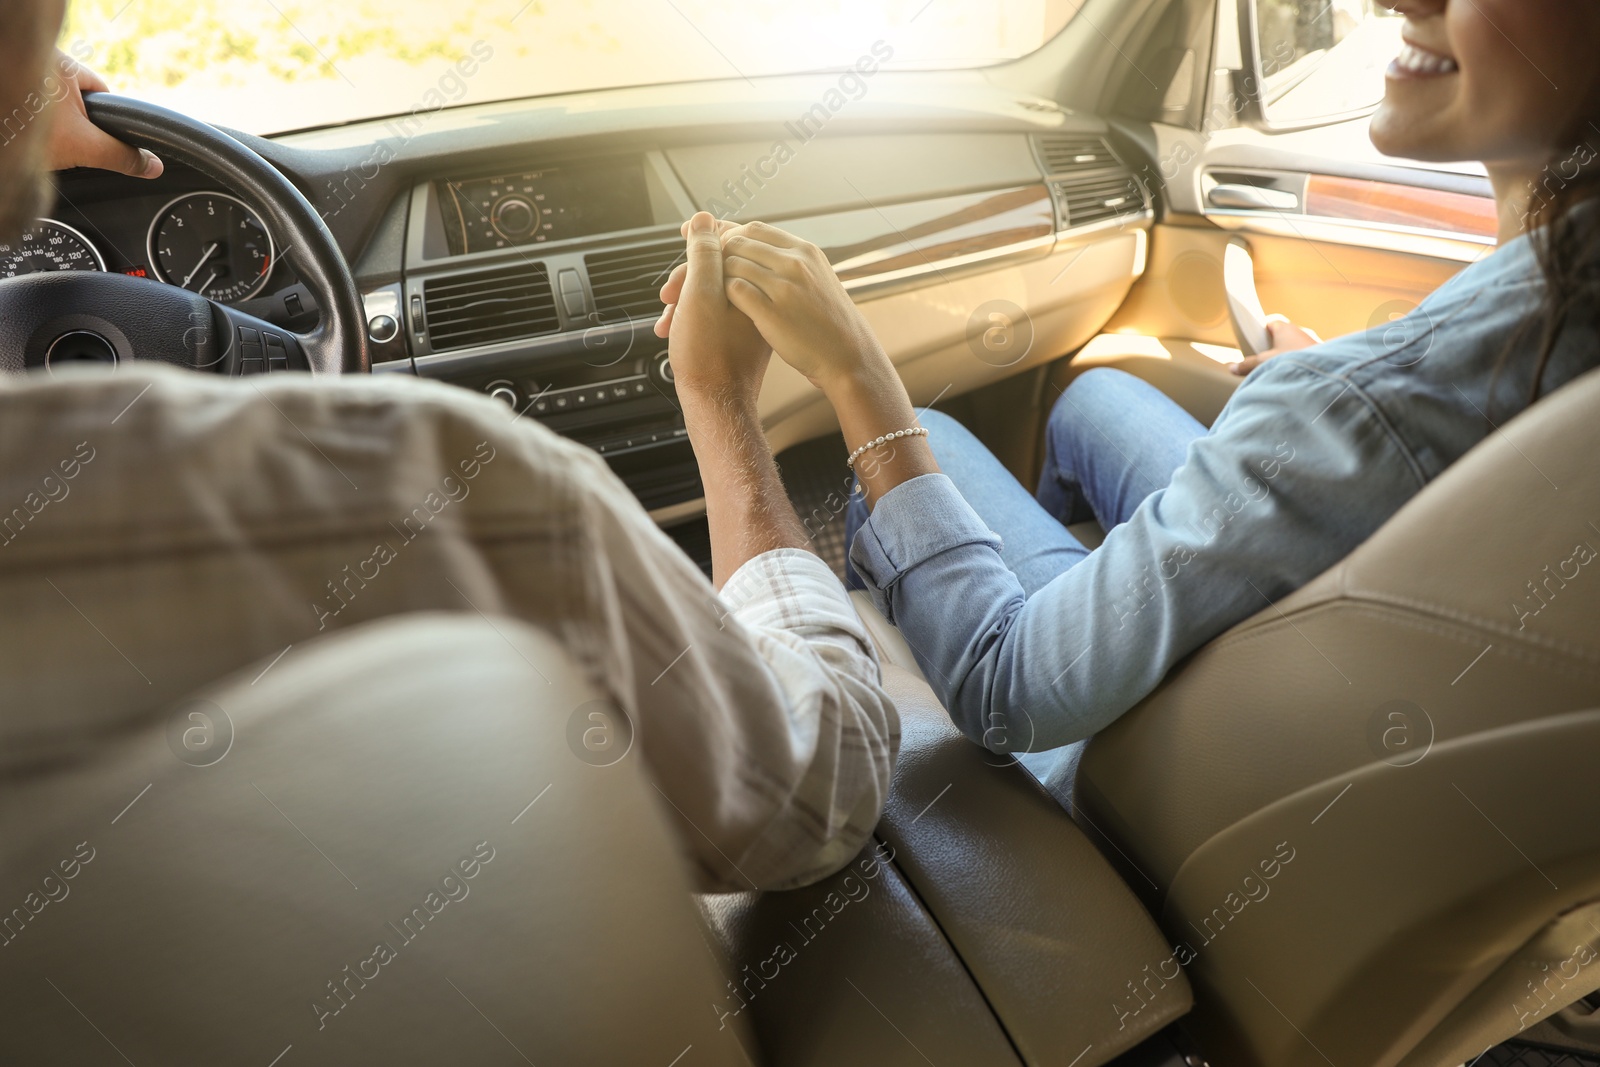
[77,142]
[109,317]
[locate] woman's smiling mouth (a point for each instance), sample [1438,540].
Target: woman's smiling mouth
[1417,62]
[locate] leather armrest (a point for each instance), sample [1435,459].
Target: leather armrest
[851,970]
[1072,964]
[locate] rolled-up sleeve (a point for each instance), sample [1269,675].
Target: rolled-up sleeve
[915,522]
[842,731]
[760,710]
[1298,471]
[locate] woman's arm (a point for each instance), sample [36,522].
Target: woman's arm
[1231,535]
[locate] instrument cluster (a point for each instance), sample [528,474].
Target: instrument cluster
[208,242]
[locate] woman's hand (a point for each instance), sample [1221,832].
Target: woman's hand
[716,351]
[790,291]
[77,142]
[1286,337]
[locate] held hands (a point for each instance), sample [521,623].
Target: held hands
[1286,337]
[789,290]
[77,142]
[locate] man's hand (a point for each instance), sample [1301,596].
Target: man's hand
[718,364]
[672,291]
[1286,337]
[715,349]
[77,142]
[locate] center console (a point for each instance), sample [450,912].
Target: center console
[627,411]
[539,286]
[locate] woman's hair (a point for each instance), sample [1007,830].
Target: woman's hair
[1566,243]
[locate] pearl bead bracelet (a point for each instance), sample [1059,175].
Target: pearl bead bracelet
[915,431]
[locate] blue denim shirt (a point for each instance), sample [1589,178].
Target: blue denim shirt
[1314,452]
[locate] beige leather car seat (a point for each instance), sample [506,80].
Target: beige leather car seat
[1408,745]
[197,891]
[211,882]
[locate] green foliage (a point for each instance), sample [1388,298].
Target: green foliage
[148,43]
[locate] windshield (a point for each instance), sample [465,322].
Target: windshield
[266,66]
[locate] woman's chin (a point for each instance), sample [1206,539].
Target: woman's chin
[1400,132]
[1388,132]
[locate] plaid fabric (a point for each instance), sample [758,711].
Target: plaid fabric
[160,529]
[843,732]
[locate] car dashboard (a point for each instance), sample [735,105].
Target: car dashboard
[517,249]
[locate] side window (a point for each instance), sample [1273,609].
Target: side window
[1318,61]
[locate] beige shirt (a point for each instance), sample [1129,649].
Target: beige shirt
[161,529]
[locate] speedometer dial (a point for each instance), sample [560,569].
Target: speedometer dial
[46,246]
[212,244]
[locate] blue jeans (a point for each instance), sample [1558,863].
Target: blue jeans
[1111,441]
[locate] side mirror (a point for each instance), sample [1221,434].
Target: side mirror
[1314,62]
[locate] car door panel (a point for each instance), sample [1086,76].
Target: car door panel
[1341,243]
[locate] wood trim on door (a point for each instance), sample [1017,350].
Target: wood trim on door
[1360,200]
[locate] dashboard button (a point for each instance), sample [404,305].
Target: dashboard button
[515,218]
[383,328]
[506,395]
[572,295]
[277,354]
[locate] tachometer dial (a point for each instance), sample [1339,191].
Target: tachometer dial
[46,246]
[212,244]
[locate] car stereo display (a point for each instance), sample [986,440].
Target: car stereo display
[482,214]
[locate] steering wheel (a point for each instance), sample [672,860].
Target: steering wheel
[81,316]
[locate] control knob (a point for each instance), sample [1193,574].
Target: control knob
[515,218]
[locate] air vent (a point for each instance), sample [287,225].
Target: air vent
[489,306]
[1089,182]
[1069,153]
[1049,107]
[628,282]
